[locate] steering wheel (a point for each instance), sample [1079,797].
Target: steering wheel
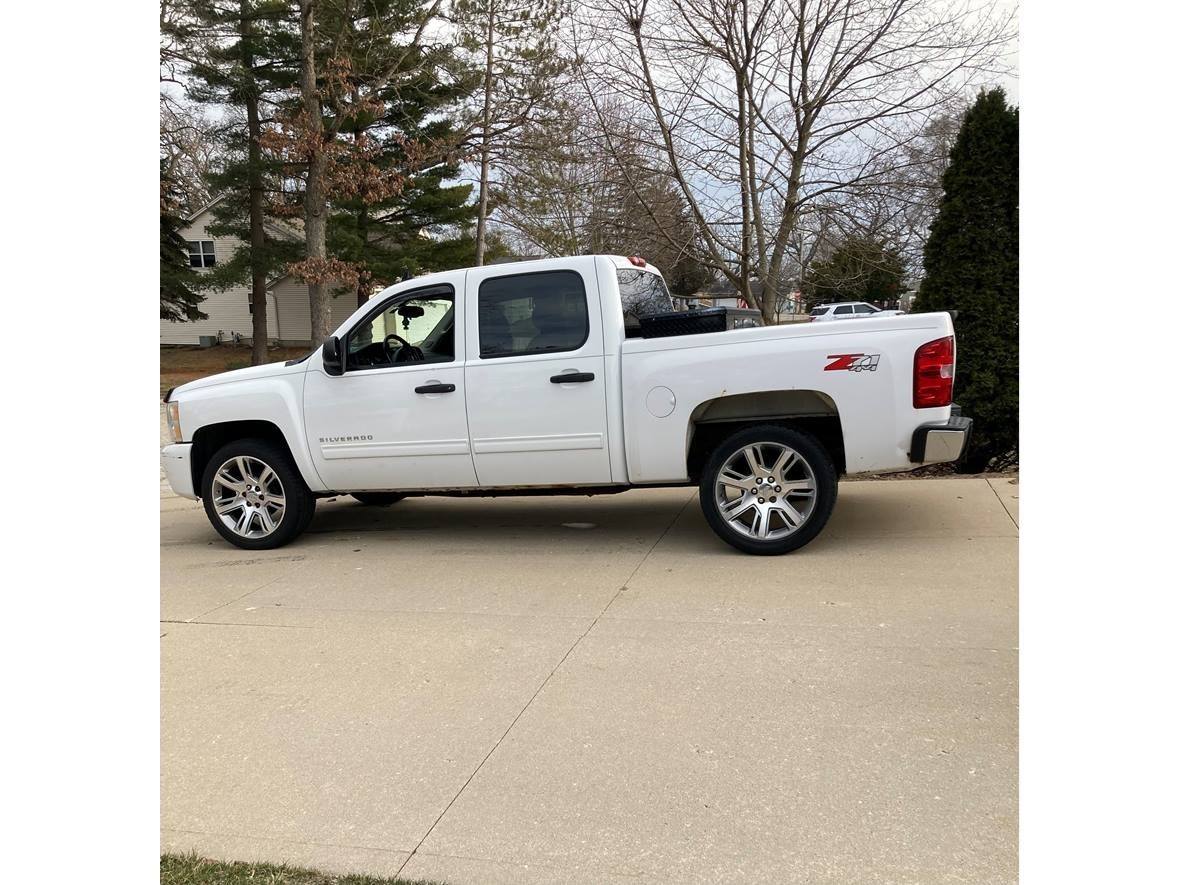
[406,353]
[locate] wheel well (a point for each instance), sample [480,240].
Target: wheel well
[810,411]
[211,437]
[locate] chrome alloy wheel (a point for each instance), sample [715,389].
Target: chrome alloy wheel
[765,491]
[248,497]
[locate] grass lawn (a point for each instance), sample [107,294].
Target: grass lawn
[189,869]
[181,364]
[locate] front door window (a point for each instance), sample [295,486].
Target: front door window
[420,329]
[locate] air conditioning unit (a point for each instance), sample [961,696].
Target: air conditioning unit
[207,340]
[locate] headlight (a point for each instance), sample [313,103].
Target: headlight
[174,422]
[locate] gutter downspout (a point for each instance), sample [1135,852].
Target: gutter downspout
[278,324]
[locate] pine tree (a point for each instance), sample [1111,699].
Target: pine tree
[422,223]
[179,284]
[240,56]
[971,261]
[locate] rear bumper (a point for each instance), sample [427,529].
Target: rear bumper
[176,460]
[941,443]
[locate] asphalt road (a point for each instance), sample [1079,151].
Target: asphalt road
[571,690]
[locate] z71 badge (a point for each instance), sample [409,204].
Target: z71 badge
[852,362]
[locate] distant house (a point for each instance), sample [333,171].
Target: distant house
[722,293]
[230,312]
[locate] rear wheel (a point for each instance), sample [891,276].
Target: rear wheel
[768,489]
[377,499]
[254,497]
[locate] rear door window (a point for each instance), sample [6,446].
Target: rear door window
[532,313]
[843,310]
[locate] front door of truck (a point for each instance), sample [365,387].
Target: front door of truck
[395,419]
[535,375]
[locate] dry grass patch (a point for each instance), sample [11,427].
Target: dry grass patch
[179,365]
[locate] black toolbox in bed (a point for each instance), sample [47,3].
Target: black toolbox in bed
[697,322]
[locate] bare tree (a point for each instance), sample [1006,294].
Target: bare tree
[191,149]
[588,183]
[768,109]
[514,44]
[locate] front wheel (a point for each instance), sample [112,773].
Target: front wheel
[254,497]
[768,490]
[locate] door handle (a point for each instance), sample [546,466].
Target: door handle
[435,388]
[573,378]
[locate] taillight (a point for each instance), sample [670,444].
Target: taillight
[637,261]
[934,373]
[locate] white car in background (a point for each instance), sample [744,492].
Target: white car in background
[849,310]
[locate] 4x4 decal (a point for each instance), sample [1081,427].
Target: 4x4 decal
[852,362]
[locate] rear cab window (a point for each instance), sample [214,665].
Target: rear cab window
[642,293]
[543,312]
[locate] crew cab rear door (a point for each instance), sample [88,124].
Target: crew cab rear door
[526,332]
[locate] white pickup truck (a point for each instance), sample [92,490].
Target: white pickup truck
[534,378]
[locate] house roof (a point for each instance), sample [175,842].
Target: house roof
[204,209]
[287,230]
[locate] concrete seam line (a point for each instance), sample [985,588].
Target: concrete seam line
[541,687]
[1007,512]
[239,599]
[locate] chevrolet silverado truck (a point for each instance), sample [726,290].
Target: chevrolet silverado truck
[536,378]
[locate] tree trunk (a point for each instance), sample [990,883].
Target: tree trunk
[745,161]
[364,284]
[481,229]
[315,224]
[788,222]
[254,175]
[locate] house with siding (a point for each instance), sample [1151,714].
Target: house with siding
[288,310]
[722,293]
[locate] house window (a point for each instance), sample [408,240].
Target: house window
[200,253]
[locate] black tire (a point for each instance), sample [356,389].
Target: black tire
[377,499]
[817,460]
[300,503]
[309,512]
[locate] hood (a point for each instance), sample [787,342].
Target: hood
[252,373]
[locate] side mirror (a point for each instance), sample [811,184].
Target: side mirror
[333,357]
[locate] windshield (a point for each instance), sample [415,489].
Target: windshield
[642,293]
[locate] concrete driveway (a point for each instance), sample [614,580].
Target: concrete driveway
[570,690]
